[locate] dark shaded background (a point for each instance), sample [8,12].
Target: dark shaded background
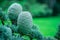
[49,7]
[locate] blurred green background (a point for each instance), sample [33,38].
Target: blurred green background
[46,13]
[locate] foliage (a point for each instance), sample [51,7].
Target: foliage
[13,28]
[40,10]
[58,33]
[24,29]
[26,37]
[34,26]
[36,34]
[17,37]
[5,32]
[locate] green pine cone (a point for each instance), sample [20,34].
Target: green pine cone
[24,23]
[14,10]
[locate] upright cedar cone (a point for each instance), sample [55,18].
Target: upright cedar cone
[25,23]
[13,11]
